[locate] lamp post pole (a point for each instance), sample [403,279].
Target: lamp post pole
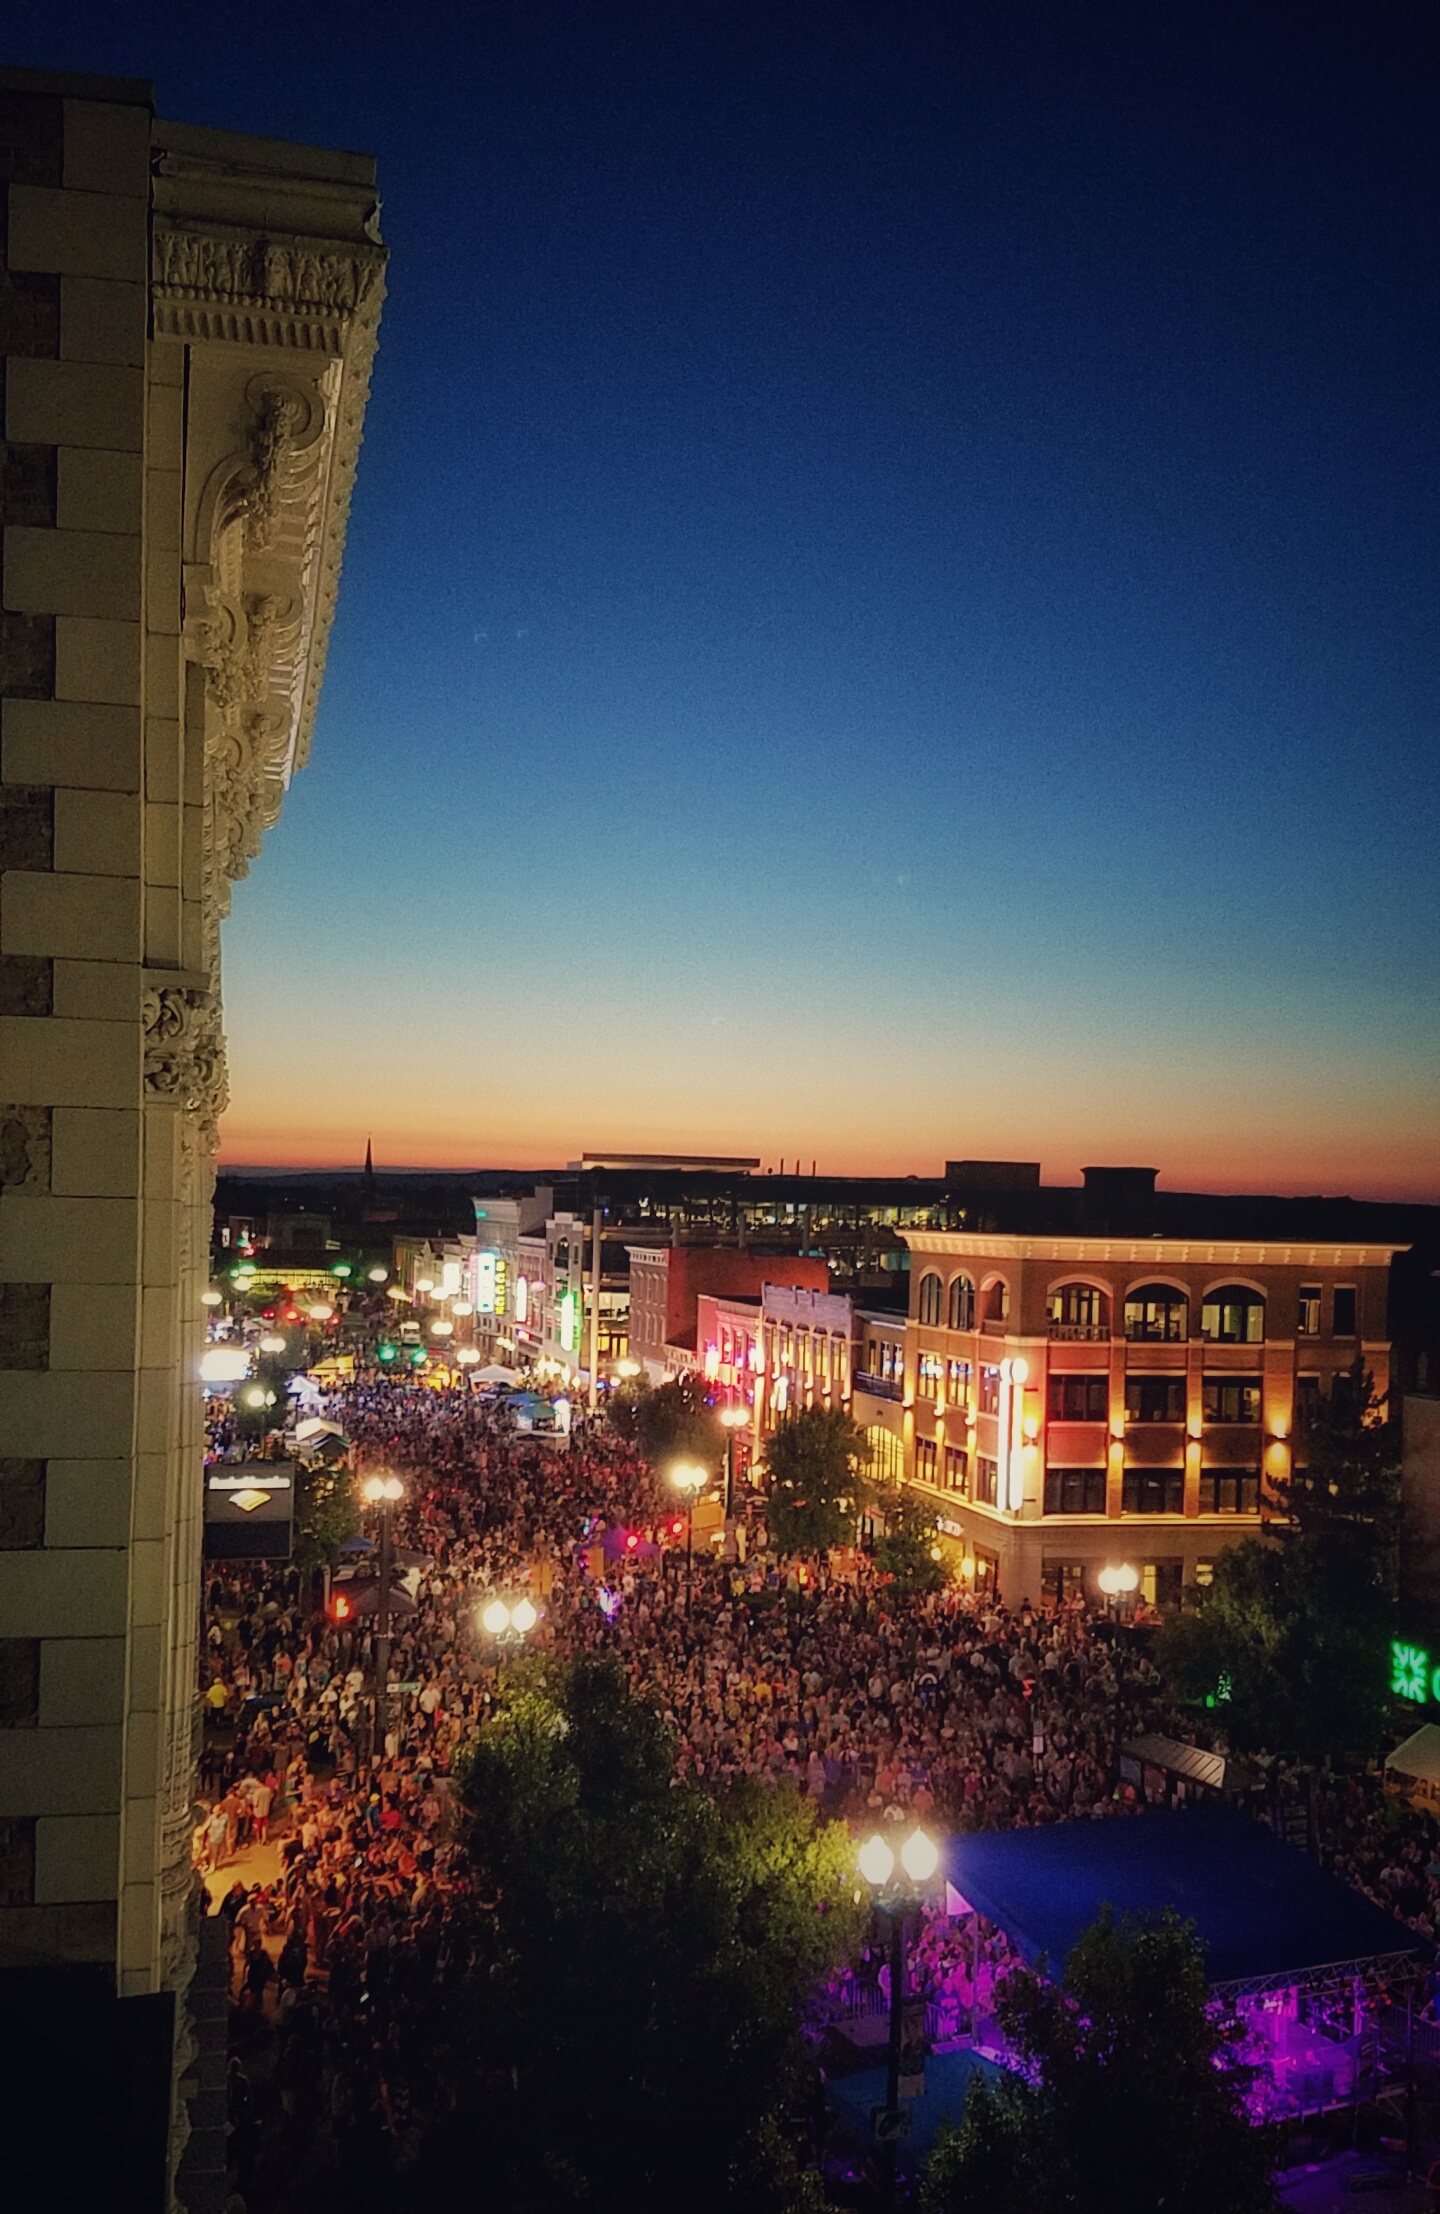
[919,1859]
[690,1478]
[382,1492]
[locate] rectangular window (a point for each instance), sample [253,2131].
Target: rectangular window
[1074,1491]
[957,1382]
[1307,1324]
[930,1375]
[1154,1399]
[1061,1581]
[1229,1491]
[957,1468]
[925,1460]
[1153,1491]
[1079,1398]
[987,1481]
[989,1390]
[1232,1398]
[1343,1311]
[1307,1401]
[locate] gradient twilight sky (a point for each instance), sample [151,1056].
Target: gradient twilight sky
[890,609]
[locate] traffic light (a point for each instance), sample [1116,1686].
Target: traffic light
[341,1608]
[417,1356]
[385,1352]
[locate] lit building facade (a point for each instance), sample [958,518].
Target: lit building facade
[805,1352]
[1070,1402]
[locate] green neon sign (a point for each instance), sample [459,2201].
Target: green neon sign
[1411,1675]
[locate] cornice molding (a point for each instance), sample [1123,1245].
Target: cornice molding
[1133,1252]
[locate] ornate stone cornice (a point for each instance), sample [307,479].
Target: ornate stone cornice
[280,308]
[185,1053]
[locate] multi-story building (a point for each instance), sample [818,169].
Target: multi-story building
[665,1285]
[1131,1391]
[805,1352]
[878,1389]
[189,320]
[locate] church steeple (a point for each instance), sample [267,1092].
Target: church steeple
[369,1167]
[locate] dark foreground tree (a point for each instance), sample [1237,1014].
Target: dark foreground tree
[1134,2107]
[630,2035]
[816,1458]
[1292,1634]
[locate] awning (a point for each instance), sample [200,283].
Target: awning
[1218,1771]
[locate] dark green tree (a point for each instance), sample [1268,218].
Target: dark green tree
[1133,2106]
[668,1422]
[630,2032]
[1293,1628]
[816,1458]
[906,1553]
[326,1513]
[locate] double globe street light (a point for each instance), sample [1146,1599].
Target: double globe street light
[894,1898]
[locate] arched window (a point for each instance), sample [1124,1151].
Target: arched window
[1233,1314]
[1157,1313]
[932,1298]
[997,1301]
[1079,1311]
[962,1303]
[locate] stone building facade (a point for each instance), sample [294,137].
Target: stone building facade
[187,321]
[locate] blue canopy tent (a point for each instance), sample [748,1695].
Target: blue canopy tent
[1265,1913]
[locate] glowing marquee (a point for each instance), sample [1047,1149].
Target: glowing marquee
[491,1278]
[569,1321]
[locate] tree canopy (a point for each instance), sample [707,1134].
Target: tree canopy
[816,1458]
[644,1950]
[1291,1634]
[1132,2105]
[326,1513]
[669,1422]
[906,1552]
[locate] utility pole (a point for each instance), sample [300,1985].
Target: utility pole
[594,1310]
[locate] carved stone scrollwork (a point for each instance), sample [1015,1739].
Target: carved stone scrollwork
[185,1054]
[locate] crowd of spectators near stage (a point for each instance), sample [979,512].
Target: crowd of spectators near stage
[949,1708]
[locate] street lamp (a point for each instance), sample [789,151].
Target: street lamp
[508,1621]
[385,1492]
[690,1479]
[734,1418]
[1118,1583]
[894,1898]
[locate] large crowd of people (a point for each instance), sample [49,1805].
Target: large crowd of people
[949,1708]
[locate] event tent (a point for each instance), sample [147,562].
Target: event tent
[1265,1913]
[1419,1757]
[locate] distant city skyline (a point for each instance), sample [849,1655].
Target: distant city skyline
[890,602]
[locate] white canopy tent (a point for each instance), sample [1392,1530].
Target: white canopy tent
[1419,1757]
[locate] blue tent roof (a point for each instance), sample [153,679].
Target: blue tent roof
[1262,1910]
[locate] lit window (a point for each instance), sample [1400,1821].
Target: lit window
[961,1306]
[1232,1398]
[1307,1324]
[1156,1313]
[931,1296]
[1233,1315]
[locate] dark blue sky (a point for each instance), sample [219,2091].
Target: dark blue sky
[891,602]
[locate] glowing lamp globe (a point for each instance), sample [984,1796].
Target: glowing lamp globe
[875,1861]
[212,1299]
[523,1617]
[919,1856]
[272,1345]
[496,1617]
[377,1275]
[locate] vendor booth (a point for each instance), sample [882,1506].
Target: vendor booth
[1414,1768]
